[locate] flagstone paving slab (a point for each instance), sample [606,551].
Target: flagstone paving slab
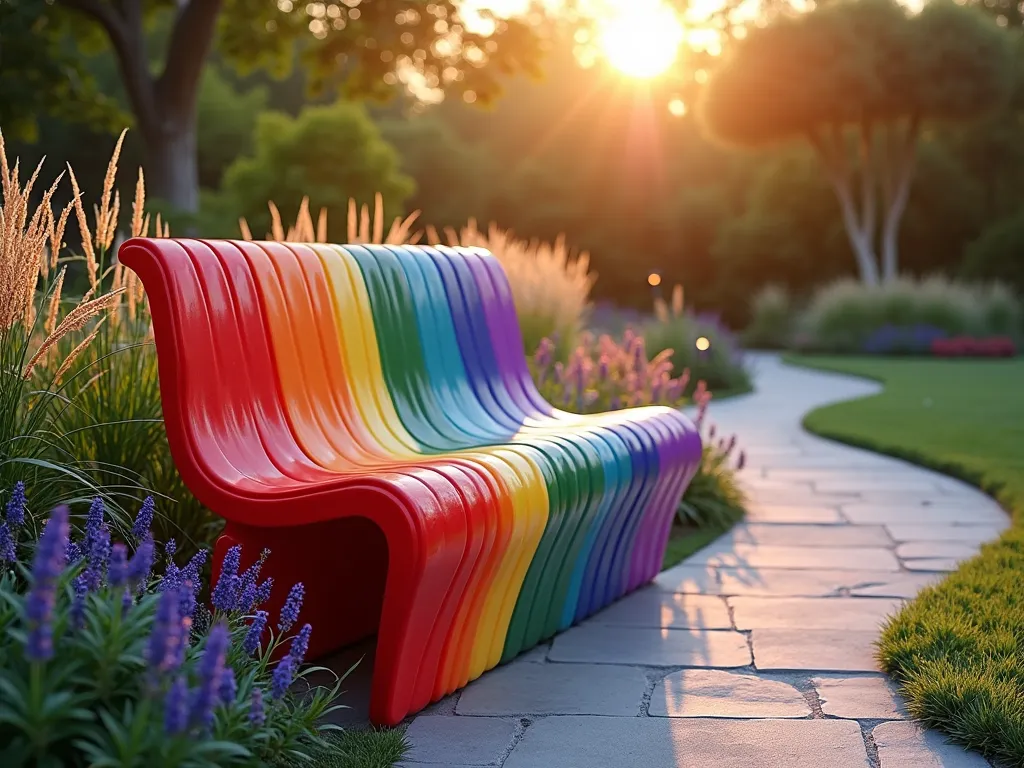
[977,514]
[812,535]
[462,740]
[556,689]
[605,644]
[765,556]
[714,693]
[596,742]
[933,565]
[919,549]
[814,650]
[655,608]
[793,513]
[902,745]
[975,534]
[782,582]
[857,613]
[859,698]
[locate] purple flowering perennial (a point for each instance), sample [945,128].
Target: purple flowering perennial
[176,707]
[72,553]
[186,600]
[47,566]
[191,570]
[257,715]
[16,506]
[300,645]
[291,608]
[247,600]
[117,573]
[281,678]
[166,635]
[93,522]
[211,670]
[171,580]
[263,592]
[8,551]
[228,686]
[77,610]
[98,556]
[127,601]
[141,564]
[251,643]
[170,547]
[225,594]
[143,520]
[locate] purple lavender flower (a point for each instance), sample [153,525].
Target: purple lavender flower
[46,569]
[170,548]
[247,600]
[176,707]
[77,611]
[211,670]
[225,594]
[166,635]
[93,522]
[228,686]
[281,678]
[263,592]
[141,564]
[117,573]
[251,643]
[16,506]
[191,570]
[292,606]
[300,645]
[72,553]
[8,551]
[742,460]
[171,580]
[257,715]
[144,519]
[186,600]
[99,554]
[127,601]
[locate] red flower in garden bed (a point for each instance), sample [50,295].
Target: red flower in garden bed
[968,346]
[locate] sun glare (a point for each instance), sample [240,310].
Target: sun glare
[641,38]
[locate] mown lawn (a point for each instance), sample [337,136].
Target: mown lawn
[958,649]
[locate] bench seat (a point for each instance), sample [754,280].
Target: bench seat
[366,413]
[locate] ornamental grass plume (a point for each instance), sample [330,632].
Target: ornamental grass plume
[362,226]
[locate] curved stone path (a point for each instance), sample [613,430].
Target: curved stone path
[756,652]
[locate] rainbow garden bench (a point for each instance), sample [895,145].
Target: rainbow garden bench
[366,413]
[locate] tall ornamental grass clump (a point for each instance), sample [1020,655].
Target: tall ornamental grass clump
[846,315]
[104,664]
[113,421]
[699,343]
[43,339]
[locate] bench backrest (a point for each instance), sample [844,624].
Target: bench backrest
[280,360]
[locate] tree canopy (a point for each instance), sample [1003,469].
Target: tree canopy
[868,67]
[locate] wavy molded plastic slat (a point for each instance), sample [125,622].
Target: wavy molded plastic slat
[366,413]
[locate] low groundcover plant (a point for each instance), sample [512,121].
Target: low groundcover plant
[103,664]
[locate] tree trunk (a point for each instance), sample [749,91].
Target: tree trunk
[172,171]
[860,241]
[896,200]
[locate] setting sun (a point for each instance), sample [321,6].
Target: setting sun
[641,38]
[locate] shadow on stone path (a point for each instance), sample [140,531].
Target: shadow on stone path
[756,652]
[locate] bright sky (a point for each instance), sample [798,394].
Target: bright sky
[640,38]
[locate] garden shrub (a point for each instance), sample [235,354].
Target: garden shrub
[771,321]
[103,665]
[996,254]
[843,316]
[719,364]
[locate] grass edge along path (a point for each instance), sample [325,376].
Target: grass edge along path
[957,650]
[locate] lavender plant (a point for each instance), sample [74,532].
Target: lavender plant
[103,664]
